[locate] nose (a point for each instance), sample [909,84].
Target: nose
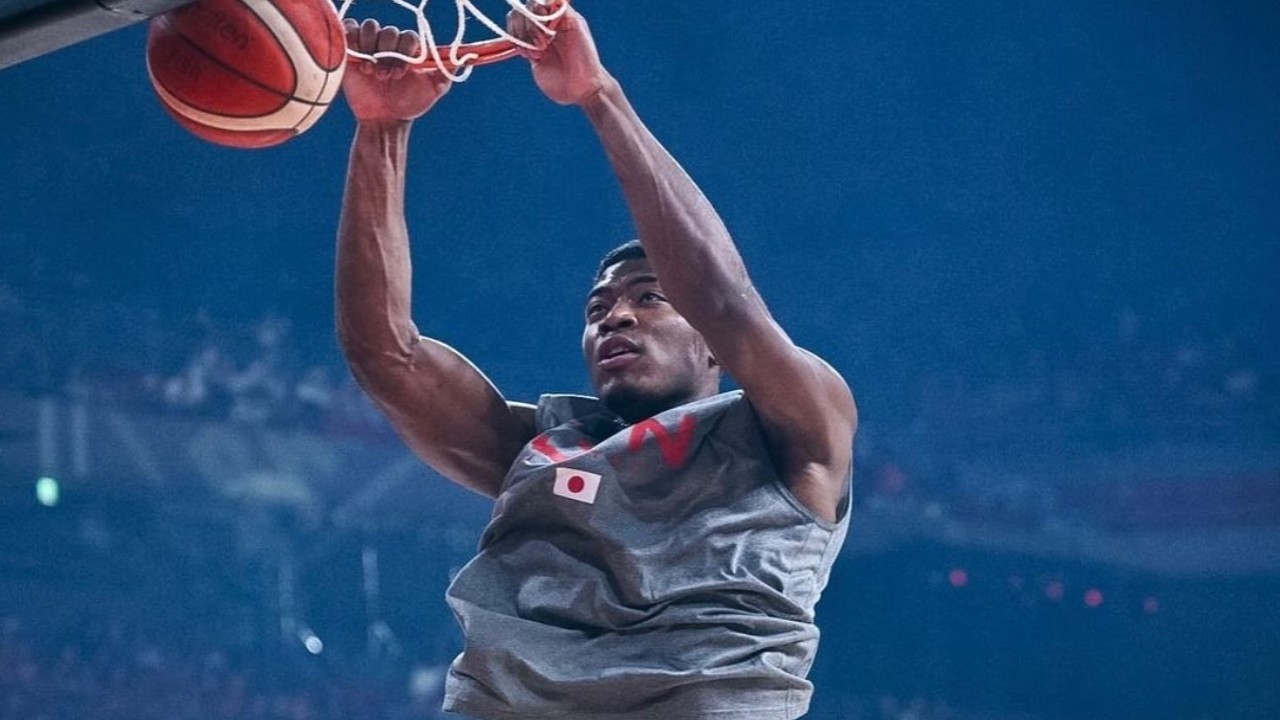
[620,317]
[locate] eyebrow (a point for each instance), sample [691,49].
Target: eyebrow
[638,279]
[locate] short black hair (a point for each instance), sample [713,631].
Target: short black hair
[629,250]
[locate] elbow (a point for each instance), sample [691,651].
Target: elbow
[380,376]
[728,304]
[377,363]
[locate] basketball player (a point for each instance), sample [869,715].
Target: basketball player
[656,553]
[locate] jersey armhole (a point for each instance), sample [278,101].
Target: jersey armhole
[846,499]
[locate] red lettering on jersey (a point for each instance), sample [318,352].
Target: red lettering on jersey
[542,445]
[674,449]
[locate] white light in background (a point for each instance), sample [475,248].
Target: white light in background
[47,491]
[313,644]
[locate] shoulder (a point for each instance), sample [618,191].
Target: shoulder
[810,442]
[526,414]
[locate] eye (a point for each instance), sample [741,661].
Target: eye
[595,310]
[651,296]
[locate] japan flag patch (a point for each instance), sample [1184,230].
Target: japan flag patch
[577,485]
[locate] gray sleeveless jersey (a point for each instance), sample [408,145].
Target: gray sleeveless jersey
[654,571]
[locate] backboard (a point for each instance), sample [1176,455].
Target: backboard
[30,28]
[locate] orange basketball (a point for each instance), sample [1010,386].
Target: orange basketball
[247,73]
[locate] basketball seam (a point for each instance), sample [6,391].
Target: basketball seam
[324,87]
[294,45]
[311,52]
[274,32]
[286,96]
[306,121]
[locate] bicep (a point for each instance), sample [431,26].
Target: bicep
[449,413]
[805,405]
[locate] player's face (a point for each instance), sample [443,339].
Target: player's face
[643,356]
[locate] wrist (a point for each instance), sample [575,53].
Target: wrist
[607,88]
[383,125]
[383,140]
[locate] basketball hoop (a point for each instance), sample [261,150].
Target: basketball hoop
[457,58]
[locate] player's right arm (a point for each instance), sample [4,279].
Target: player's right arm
[446,410]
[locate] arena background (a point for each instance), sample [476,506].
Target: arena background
[1041,240]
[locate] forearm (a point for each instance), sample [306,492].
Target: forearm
[683,236]
[373,267]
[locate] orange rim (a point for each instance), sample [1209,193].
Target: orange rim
[486,52]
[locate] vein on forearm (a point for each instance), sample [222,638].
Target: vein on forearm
[374,269]
[685,239]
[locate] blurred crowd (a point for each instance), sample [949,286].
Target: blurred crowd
[252,374]
[1137,380]
[107,673]
[950,447]
[258,371]
[1140,378]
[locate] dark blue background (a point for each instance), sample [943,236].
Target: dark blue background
[953,202]
[914,185]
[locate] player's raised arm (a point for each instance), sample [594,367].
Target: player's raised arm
[445,409]
[806,407]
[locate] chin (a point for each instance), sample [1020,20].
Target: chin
[634,404]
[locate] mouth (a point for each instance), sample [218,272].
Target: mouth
[616,353]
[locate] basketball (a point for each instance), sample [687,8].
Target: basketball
[247,73]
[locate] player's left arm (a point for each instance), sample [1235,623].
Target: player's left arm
[805,406]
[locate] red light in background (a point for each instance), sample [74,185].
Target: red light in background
[1053,590]
[1093,597]
[1151,605]
[958,577]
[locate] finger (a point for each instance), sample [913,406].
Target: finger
[367,43]
[368,38]
[388,38]
[406,44]
[519,27]
[516,24]
[527,30]
[351,29]
[570,21]
[358,39]
[409,44]
[551,7]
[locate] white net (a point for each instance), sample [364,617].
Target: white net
[458,58]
